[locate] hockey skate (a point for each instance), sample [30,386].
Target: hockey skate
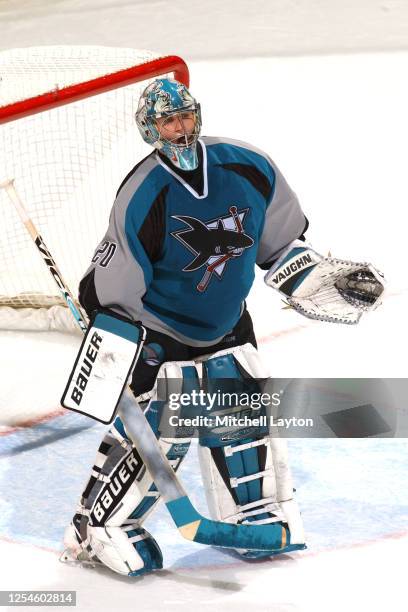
[128,550]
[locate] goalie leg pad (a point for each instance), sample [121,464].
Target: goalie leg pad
[246,474]
[119,496]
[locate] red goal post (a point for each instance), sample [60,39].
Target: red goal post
[93,87]
[67,139]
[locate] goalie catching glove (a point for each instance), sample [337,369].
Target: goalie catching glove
[325,288]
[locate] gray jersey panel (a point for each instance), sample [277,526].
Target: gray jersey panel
[284,220]
[121,285]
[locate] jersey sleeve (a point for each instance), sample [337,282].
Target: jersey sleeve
[284,220]
[121,268]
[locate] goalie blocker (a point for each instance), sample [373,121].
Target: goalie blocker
[325,288]
[105,361]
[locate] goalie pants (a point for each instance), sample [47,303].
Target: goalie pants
[159,348]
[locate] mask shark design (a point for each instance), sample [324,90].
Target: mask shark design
[213,243]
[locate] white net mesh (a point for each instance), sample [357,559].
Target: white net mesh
[67,164]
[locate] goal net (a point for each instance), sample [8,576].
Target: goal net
[68,138]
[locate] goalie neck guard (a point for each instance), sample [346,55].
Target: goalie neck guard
[178,113]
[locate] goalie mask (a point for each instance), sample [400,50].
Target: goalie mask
[169,119]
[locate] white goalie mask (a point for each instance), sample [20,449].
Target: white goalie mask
[169,119]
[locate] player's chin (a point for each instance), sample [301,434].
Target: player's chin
[183,142]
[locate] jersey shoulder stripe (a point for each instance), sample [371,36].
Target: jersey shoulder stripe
[139,192]
[212,140]
[247,161]
[132,171]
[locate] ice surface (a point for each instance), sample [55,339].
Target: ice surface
[337,128]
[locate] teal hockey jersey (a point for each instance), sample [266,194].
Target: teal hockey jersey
[181,248]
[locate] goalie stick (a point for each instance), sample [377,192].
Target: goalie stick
[74,307]
[190,523]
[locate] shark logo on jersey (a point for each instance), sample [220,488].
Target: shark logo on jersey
[213,242]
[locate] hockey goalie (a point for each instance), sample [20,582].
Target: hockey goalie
[188,226]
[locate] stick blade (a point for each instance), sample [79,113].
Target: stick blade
[192,526]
